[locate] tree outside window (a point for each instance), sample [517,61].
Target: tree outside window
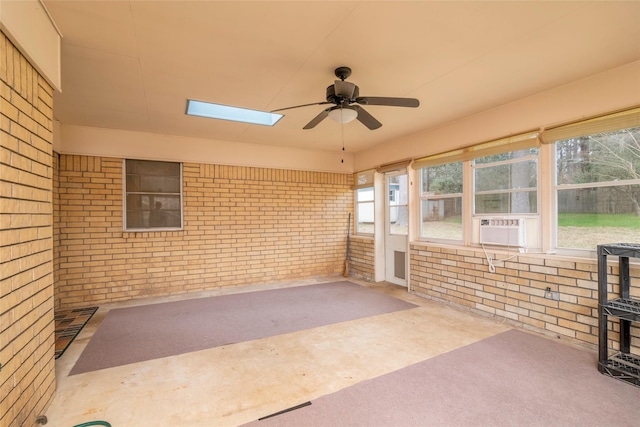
[507,183]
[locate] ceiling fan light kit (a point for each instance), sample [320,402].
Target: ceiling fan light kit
[343,114]
[343,94]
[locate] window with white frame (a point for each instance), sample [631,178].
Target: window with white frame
[365,202]
[441,189]
[493,178]
[506,183]
[153,195]
[598,182]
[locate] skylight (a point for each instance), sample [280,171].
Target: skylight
[234,114]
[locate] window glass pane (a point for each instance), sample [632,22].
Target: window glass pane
[152,168]
[365,218]
[153,184]
[515,202]
[507,156]
[506,188]
[442,179]
[398,210]
[494,178]
[365,210]
[507,176]
[148,211]
[441,201]
[149,180]
[599,215]
[601,157]
[442,218]
[364,194]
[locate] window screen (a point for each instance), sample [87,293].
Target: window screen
[153,195]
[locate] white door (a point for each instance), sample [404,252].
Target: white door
[396,227]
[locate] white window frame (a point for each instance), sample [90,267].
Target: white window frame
[359,206]
[545,220]
[426,196]
[364,180]
[476,166]
[467,155]
[557,188]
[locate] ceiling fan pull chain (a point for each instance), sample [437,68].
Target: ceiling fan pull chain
[342,134]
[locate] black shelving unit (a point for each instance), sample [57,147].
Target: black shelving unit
[622,365]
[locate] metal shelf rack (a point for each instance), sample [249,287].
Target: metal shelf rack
[622,365]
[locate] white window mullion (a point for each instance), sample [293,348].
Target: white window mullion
[547,193]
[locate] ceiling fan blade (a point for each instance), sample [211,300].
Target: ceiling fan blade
[366,119]
[344,89]
[317,119]
[303,105]
[393,102]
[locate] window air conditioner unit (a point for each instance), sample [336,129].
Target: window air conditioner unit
[502,231]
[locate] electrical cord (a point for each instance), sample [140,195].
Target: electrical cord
[491,261]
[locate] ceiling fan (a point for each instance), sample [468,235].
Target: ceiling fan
[343,95]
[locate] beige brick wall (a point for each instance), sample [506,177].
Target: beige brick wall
[27,376]
[56,221]
[242,226]
[516,291]
[361,258]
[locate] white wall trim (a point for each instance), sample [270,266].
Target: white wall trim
[103,142]
[29,26]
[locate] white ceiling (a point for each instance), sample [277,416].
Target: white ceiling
[132,64]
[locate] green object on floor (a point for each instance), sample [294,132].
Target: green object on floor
[94,423]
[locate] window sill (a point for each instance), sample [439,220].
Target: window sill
[534,253]
[159,232]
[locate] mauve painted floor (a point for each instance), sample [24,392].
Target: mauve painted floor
[239,383]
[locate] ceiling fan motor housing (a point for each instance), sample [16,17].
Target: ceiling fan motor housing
[338,99]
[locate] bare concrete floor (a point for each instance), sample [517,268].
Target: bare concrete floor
[239,383]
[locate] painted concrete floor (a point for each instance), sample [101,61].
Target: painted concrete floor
[239,383]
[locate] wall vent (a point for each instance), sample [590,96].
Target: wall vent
[502,231]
